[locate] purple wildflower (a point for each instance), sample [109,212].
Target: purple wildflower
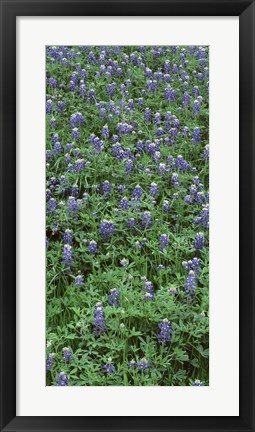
[68,236]
[190,286]
[165,331]
[99,320]
[106,188]
[197,383]
[108,367]
[199,242]
[62,379]
[153,189]
[92,247]
[107,228]
[163,241]
[143,364]
[75,133]
[67,354]
[79,280]
[166,206]
[146,221]
[175,179]
[67,256]
[113,297]
[49,361]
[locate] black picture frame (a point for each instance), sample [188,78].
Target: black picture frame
[245,9]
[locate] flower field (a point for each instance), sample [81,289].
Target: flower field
[127,216]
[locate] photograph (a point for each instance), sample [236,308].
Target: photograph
[127,215]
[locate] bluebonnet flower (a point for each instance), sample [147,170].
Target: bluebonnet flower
[113,297]
[157,118]
[108,367]
[105,132]
[197,383]
[172,134]
[79,165]
[175,179]
[203,219]
[52,205]
[91,57]
[62,379]
[200,197]
[92,93]
[124,262]
[137,192]
[190,286]
[49,361]
[55,137]
[137,244]
[153,189]
[124,203]
[52,82]
[165,331]
[196,107]
[60,106]
[107,228]
[79,280]
[181,163]
[188,199]
[186,99]
[99,320]
[146,221]
[111,89]
[49,106]
[68,236]
[199,242]
[69,146]
[48,155]
[132,364]
[82,89]
[196,135]
[148,296]
[131,223]
[129,166]
[48,194]
[67,354]
[124,128]
[162,169]
[76,119]
[72,206]
[194,264]
[71,86]
[67,256]
[106,188]
[170,94]
[163,241]
[75,133]
[143,364]
[147,114]
[205,153]
[53,122]
[166,206]
[149,292]
[196,91]
[173,291]
[92,247]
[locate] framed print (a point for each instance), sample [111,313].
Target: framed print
[118,119]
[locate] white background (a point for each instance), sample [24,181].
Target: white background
[221,397]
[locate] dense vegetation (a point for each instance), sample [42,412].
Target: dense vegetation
[127,215]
